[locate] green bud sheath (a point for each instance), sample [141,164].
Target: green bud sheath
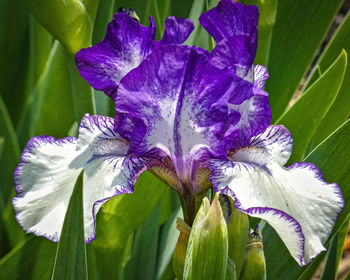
[206,256]
[181,246]
[70,21]
[254,267]
[238,231]
[230,270]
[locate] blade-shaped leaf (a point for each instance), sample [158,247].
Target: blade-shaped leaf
[340,109]
[70,262]
[82,92]
[40,46]
[305,116]
[330,269]
[2,144]
[144,255]
[267,19]
[10,156]
[14,49]
[196,10]
[299,30]
[118,218]
[331,156]
[168,238]
[33,258]
[49,110]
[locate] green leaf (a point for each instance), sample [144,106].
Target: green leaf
[70,262]
[267,19]
[118,218]
[40,46]
[299,30]
[69,21]
[31,259]
[196,11]
[104,16]
[330,269]
[331,157]
[168,238]
[342,233]
[82,92]
[2,144]
[10,156]
[49,109]
[340,109]
[14,49]
[305,116]
[144,255]
[311,269]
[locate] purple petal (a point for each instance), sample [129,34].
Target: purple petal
[254,111]
[125,45]
[177,102]
[231,19]
[48,169]
[177,30]
[236,52]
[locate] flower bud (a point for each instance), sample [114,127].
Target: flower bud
[238,231]
[181,246]
[206,256]
[69,21]
[230,270]
[254,266]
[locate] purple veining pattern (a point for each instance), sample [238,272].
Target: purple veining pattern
[124,47]
[177,101]
[255,177]
[229,19]
[48,169]
[260,76]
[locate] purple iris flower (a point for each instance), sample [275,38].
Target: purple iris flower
[194,119]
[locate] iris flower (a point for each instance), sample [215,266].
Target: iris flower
[194,119]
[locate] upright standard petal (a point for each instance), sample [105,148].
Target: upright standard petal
[231,19]
[46,175]
[176,31]
[177,102]
[295,201]
[125,45]
[235,29]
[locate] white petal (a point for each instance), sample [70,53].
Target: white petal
[288,199]
[296,201]
[46,176]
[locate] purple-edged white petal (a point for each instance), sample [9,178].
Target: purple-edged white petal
[176,31]
[296,201]
[125,45]
[177,102]
[276,140]
[47,172]
[260,76]
[230,19]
